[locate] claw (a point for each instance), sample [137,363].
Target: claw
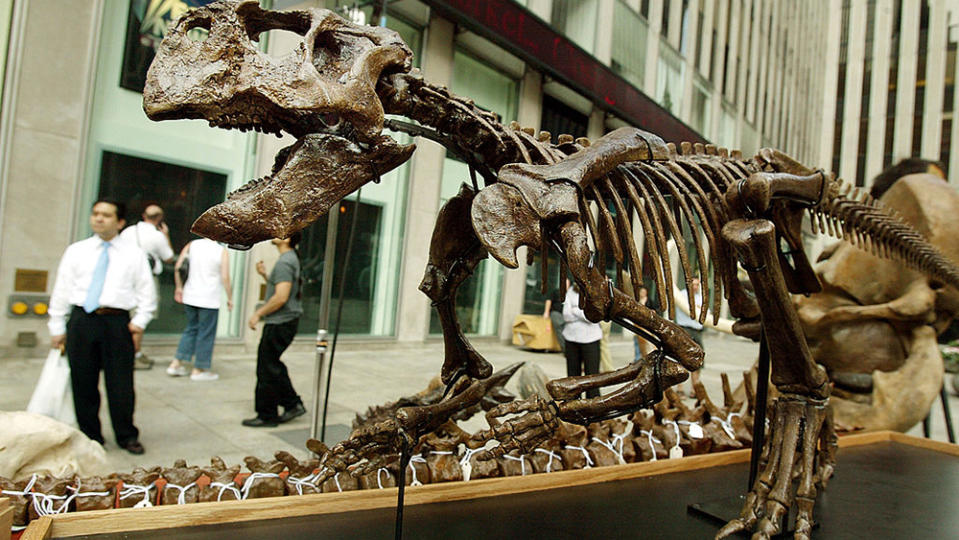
[802,445]
[523,433]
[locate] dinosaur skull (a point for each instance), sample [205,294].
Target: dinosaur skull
[323,93]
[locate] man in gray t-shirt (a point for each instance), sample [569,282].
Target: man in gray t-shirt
[286,270]
[281,315]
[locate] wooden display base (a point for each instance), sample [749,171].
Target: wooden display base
[432,510]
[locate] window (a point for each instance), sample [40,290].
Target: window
[699,111]
[628,57]
[183,192]
[478,298]
[669,80]
[577,20]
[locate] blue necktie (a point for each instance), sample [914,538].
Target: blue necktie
[99,277]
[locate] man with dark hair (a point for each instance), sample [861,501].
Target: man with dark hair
[281,313]
[151,235]
[913,165]
[99,281]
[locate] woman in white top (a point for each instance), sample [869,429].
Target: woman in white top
[582,340]
[209,268]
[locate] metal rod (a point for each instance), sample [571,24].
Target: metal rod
[944,396]
[339,307]
[319,375]
[401,489]
[759,415]
[323,322]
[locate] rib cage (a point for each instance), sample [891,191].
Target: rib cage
[685,191]
[675,199]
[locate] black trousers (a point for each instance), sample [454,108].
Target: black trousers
[95,343]
[273,386]
[583,359]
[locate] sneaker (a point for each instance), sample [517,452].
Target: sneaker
[292,412]
[143,362]
[204,376]
[178,371]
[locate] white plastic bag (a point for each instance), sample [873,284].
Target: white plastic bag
[53,397]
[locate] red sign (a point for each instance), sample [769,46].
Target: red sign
[516,29]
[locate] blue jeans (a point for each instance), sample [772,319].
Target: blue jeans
[198,337]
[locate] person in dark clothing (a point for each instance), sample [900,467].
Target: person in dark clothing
[281,313]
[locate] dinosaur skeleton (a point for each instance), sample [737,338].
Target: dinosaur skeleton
[332,92]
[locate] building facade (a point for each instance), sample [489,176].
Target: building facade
[740,73]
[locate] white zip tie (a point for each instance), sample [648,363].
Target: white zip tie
[87,493]
[181,498]
[378,471]
[26,492]
[133,489]
[618,441]
[26,489]
[415,459]
[609,446]
[226,487]
[248,483]
[552,456]
[652,447]
[676,429]
[442,452]
[589,460]
[726,427]
[43,503]
[465,464]
[299,482]
[521,461]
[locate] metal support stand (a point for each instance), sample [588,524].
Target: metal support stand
[401,486]
[727,509]
[319,382]
[944,396]
[759,413]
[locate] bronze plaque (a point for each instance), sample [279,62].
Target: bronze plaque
[30,281]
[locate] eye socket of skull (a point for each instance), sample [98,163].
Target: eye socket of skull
[198,23]
[256,21]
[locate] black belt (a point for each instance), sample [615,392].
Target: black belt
[107,311]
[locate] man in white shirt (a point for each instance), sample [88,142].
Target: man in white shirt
[99,281]
[151,235]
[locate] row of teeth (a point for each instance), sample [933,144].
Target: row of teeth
[252,184]
[245,123]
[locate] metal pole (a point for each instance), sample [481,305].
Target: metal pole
[759,414]
[320,373]
[319,382]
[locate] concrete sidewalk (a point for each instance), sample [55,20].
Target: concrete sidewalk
[179,418]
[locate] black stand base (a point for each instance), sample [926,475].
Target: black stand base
[727,509]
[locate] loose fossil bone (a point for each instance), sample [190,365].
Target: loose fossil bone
[332,93]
